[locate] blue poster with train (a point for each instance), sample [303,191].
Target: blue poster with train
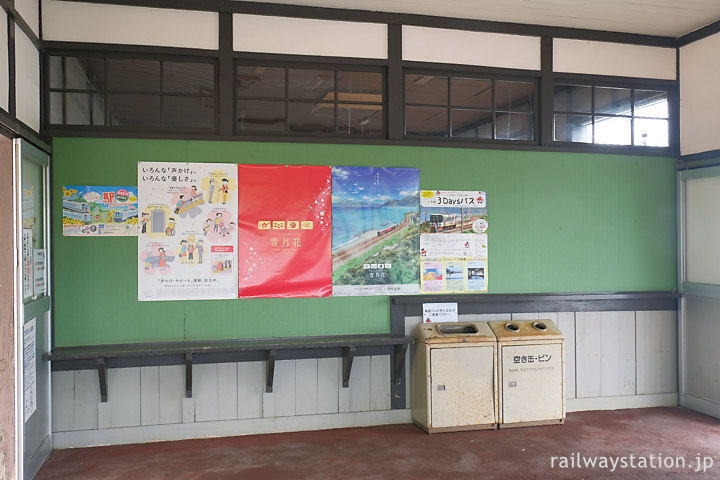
[99,211]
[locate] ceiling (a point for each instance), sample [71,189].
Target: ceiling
[670,18]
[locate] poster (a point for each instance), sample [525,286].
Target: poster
[99,211]
[453,241]
[375,231]
[27,262]
[29,368]
[284,231]
[187,231]
[39,272]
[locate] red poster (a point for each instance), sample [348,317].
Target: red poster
[284,231]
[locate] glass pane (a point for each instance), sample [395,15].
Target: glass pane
[612,130]
[426,89]
[471,92]
[134,110]
[260,116]
[471,123]
[573,128]
[56,108]
[189,112]
[615,101]
[311,117]
[311,84]
[514,96]
[186,77]
[514,126]
[426,121]
[573,98]
[134,75]
[84,73]
[55,72]
[32,205]
[651,103]
[360,119]
[651,133]
[77,107]
[97,114]
[360,86]
[255,81]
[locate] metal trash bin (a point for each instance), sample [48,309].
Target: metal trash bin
[454,376]
[531,378]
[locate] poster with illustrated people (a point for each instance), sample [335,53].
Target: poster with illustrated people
[187,231]
[284,231]
[453,241]
[375,231]
[99,211]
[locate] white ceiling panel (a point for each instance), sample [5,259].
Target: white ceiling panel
[672,18]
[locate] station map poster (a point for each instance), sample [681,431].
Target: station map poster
[284,231]
[99,211]
[375,231]
[187,231]
[453,241]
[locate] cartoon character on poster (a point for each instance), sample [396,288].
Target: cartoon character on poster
[156,259]
[219,187]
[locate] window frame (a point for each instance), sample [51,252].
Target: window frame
[633,84]
[480,73]
[106,55]
[332,64]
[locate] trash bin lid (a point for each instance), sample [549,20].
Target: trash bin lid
[525,330]
[454,332]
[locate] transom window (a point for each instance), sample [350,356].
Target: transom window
[611,116]
[469,107]
[309,101]
[132,92]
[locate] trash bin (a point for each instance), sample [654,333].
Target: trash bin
[454,376]
[531,378]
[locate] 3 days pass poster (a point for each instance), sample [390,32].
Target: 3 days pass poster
[284,231]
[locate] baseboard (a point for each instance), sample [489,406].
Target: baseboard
[226,428]
[616,403]
[701,405]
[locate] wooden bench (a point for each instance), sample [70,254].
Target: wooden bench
[102,357]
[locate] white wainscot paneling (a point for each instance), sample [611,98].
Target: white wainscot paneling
[605,353]
[617,59]
[302,36]
[702,230]
[657,369]
[699,96]
[123,406]
[423,44]
[97,23]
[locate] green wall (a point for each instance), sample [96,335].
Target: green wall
[559,222]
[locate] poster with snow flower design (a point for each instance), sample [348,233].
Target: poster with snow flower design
[284,231]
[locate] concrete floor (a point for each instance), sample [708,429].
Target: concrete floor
[649,439]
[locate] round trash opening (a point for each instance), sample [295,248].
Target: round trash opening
[513,327]
[539,326]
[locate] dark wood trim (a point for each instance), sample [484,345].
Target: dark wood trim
[124,50]
[594,149]
[27,30]
[545,302]
[17,128]
[395,117]
[546,94]
[283,10]
[699,34]
[12,74]
[227,117]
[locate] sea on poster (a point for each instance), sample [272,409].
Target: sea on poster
[99,211]
[453,241]
[284,231]
[375,231]
[187,231]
